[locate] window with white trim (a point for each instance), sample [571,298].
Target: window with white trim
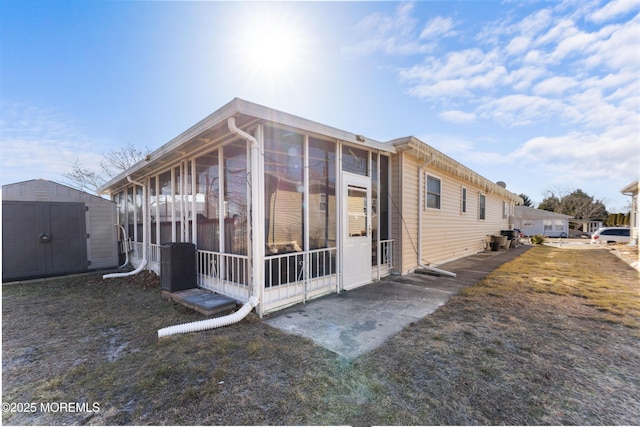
[433,194]
[482,206]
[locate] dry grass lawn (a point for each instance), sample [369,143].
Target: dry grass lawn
[552,337]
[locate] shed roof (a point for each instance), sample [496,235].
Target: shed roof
[42,190]
[215,125]
[526,212]
[422,150]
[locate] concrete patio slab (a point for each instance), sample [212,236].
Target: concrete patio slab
[355,322]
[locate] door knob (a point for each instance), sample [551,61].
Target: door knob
[44,238]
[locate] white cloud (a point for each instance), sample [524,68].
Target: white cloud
[520,110]
[390,34]
[40,139]
[518,45]
[616,47]
[575,156]
[440,89]
[437,27]
[614,9]
[574,44]
[455,75]
[455,116]
[568,90]
[521,79]
[562,29]
[554,85]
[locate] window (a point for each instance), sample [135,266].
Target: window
[236,228]
[165,207]
[433,192]
[504,210]
[357,221]
[322,187]
[153,210]
[284,190]
[463,201]
[355,160]
[208,201]
[482,206]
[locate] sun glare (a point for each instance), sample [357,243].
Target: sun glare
[272,47]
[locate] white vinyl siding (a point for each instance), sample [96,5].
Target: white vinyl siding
[446,235]
[395,203]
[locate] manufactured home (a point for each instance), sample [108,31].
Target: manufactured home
[49,229]
[284,209]
[531,221]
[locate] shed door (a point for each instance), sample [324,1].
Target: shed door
[356,257]
[22,254]
[68,238]
[43,239]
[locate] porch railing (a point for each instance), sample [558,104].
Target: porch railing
[296,277]
[386,254]
[226,274]
[288,278]
[153,258]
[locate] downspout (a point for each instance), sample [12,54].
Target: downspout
[143,264]
[124,244]
[420,199]
[256,227]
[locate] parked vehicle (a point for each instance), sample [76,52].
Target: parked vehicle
[611,235]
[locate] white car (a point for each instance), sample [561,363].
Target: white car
[611,235]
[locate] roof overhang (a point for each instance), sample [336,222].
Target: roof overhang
[437,159]
[214,127]
[631,189]
[527,212]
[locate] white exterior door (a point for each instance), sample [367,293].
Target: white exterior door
[356,231]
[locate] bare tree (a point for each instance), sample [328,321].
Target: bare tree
[83,178]
[122,159]
[577,203]
[114,162]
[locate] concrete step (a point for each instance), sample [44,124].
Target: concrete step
[201,300]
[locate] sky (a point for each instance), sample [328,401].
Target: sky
[542,95]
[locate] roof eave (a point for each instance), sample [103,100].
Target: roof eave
[235,107]
[422,150]
[631,189]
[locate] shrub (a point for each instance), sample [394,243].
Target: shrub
[537,239]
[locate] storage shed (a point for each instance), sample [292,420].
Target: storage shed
[50,229]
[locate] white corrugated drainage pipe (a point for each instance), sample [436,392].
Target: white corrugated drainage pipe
[143,263]
[421,199]
[254,300]
[124,239]
[217,322]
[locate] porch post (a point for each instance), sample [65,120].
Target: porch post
[258,217]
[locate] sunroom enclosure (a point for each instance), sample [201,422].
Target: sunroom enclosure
[315,195]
